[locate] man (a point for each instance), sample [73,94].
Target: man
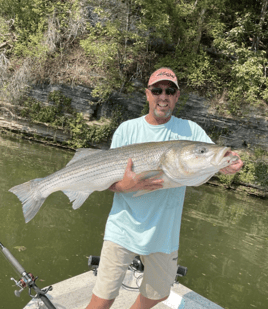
[148,225]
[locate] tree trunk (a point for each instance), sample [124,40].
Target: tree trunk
[256,38]
[199,30]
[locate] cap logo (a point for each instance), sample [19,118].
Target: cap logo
[167,74]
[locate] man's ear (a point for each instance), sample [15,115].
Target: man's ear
[178,94]
[147,92]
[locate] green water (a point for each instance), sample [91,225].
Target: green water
[224,237]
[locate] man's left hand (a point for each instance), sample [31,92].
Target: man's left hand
[234,167]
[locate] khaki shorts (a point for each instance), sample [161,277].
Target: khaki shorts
[159,272]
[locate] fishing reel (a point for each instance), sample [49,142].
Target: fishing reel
[28,280]
[22,282]
[135,266]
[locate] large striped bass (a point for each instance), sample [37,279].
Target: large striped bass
[179,163]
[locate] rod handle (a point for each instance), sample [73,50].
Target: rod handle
[43,297]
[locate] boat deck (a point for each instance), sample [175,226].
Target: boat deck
[75,293]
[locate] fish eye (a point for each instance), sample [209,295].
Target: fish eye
[202,150]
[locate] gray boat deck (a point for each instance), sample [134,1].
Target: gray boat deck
[75,293]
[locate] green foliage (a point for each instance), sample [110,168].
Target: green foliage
[145,109]
[193,65]
[28,20]
[194,70]
[215,133]
[212,45]
[247,82]
[184,97]
[60,114]
[106,54]
[119,46]
[51,114]
[241,46]
[150,11]
[228,59]
[227,180]
[38,33]
[36,22]
[261,172]
[108,44]
[4,29]
[247,78]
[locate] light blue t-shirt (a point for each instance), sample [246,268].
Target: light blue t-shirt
[151,222]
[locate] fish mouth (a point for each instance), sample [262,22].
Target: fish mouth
[218,158]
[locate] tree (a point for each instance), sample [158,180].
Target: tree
[39,29]
[256,38]
[119,41]
[214,46]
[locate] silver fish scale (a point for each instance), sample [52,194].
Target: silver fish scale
[104,167]
[91,171]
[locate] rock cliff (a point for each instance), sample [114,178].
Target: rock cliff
[249,132]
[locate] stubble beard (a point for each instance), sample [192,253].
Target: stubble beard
[166,115]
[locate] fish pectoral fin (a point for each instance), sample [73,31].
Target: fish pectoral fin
[82,153]
[150,174]
[141,192]
[77,197]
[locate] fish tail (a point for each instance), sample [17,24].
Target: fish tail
[30,197]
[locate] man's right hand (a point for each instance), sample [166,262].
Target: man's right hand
[132,182]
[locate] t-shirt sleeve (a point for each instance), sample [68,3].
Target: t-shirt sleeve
[200,135]
[118,139]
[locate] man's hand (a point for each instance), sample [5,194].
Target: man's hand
[132,182]
[234,167]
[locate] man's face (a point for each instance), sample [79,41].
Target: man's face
[161,106]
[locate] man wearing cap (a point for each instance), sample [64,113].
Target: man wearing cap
[148,225]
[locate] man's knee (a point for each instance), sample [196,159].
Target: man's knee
[99,303]
[164,298]
[143,302]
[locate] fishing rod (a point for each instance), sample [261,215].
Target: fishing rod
[27,279]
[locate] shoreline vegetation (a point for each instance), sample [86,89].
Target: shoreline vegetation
[217,48]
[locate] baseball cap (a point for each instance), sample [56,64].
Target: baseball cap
[163,74]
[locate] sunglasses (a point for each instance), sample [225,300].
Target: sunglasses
[158,91]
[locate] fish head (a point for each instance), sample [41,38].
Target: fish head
[192,159]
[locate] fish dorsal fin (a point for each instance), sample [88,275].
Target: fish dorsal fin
[82,153]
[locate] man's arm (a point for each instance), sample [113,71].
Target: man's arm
[132,182]
[233,168]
